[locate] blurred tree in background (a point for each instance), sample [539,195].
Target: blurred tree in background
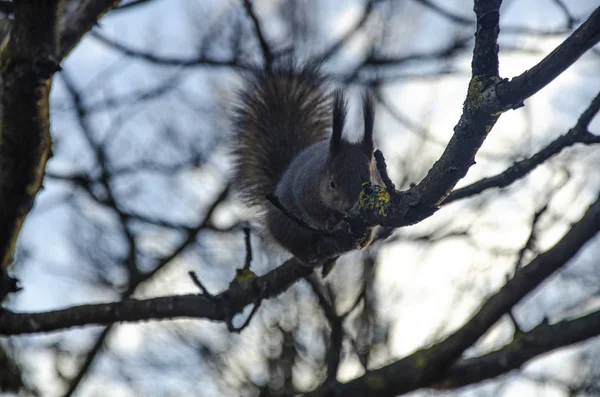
[136,195]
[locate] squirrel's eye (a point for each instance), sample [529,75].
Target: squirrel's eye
[332,184]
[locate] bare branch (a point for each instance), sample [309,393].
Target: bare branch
[336,336]
[218,308]
[427,365]
[260,36]
[335,47]
[43,33]
[578,134]
[78,18]
[526,346]
[510,95]
[164,60]
[30,60]
[481,111]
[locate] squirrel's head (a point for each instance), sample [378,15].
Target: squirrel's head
[349,165]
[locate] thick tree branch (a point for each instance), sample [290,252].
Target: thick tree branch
[218,308]
[44,32]
[404,375]
[409,207]
[542,339]
[487,98]
[426,366]
[28,63]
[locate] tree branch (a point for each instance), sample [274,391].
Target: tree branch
[78,19]
[44,32]
[336,336]
[165,60]
[510,95]
[542,339]
[260,36]
[218,308]
[28,63]
[417,370]
[426,366]
[421,201]
[578,134]
[336,46]
[487,98]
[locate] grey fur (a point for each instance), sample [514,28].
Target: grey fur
[282,123]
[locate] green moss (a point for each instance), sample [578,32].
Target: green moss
[476,87]
[4,59]
[241,276]
[375,382]
[374,198]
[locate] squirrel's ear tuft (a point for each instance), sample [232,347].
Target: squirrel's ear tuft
[369,117]
[339,118]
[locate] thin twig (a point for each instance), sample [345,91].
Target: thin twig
[382,168]
[248,248]
[302,223]
[266,49]
[232,328]
[199,284]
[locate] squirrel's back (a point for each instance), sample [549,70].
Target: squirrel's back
[279,113]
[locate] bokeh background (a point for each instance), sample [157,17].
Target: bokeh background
[137,194]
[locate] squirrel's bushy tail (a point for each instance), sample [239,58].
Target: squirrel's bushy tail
[278,114]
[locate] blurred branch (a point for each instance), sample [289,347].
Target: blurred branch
[445,13]
[200,60]
[136,282]
[78,18]
[465,21]
[571,20]
[90,357]
[133,97]
[530,243]
[132,5]
[335,47]
[426,366]
[336,336]
[526,346]
[260,36]
[440,55]
[130,261]
[135,277]
[578,134]
[110,201]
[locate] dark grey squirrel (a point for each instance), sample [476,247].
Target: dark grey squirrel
[288,143]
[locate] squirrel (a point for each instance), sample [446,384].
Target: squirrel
[289,146]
